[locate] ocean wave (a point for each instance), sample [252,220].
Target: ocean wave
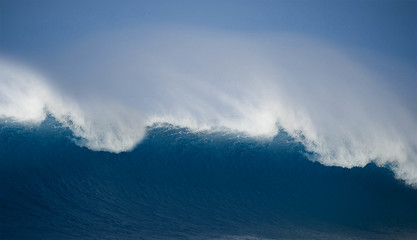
[180,184]
[216,81]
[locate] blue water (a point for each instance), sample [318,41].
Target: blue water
[177,184]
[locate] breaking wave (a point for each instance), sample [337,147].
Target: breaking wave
[180,184]
[108,91]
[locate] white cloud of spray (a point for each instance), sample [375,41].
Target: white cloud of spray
[26,97]
[337,108]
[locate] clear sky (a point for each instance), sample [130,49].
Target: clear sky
[37,27]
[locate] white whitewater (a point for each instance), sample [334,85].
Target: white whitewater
[206,80]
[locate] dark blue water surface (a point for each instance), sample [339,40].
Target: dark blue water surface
[182,185]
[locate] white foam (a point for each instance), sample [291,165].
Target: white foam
[335,106]
[26,97]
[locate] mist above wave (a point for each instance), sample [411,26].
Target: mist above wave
[112,86]
[26,97]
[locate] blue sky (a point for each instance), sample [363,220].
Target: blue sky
[37,28]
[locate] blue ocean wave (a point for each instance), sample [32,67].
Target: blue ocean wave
[180,184]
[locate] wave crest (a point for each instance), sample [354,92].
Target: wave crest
[26,97]
[337,108]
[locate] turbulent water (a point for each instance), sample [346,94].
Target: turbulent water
[207,135]
[182,184]
[214,120]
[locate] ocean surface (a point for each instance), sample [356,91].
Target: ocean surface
[181,184]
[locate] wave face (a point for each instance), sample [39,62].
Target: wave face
[180,184]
